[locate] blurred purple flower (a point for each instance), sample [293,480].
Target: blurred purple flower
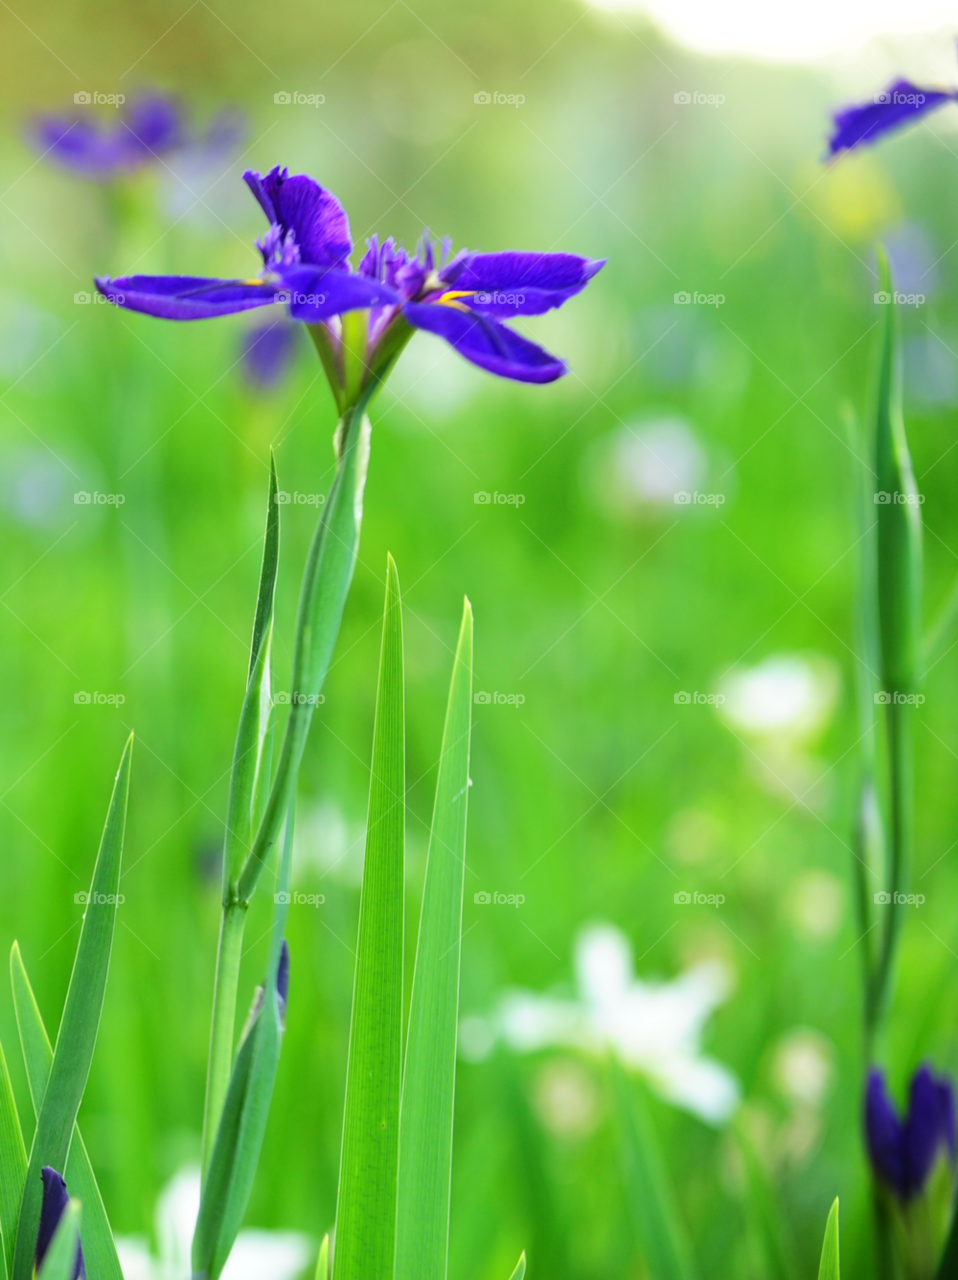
[903,1153]
[899,104]
[55,1201]
[268,351]
[151,128]
[305,256]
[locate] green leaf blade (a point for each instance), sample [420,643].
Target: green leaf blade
[99,1247]
[658,1229]
[79,1025]
[366,1216]
[426,1116]
[13,1164]
[828,1268]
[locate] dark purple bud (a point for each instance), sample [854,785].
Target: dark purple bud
[268,351]
[897,105]
[282,981]
[903,1153]
[55,1201]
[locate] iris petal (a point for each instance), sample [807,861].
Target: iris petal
[486,343]
[524,284]
[186,297]
[314,215]
[900,103]
[314,294]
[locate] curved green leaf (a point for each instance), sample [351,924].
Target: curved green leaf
[828,1267]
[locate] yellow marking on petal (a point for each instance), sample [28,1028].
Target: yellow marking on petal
[449,299]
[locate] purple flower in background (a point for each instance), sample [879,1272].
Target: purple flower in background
[267,352]
[55,1201]
[903,1153]
[151,128]
[305,256]
[897,105]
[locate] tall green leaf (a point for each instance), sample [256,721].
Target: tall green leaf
[828,1268]
[366,1215]
[249,783]
[79,1025]
[659,1232]
[62,1254]
[99,1248]
[765,1212]
[520,1270]
[426,1113]
[13,1165]
[239,1135]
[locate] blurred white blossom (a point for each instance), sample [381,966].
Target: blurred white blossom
[654,1027]
[257,1255]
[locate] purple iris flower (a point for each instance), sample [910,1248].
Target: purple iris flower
[152,127]
[897,105]
[55,1201]
[268,351]
[305,256]
[904,1152]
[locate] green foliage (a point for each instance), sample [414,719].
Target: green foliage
[828,1268]
[13,1165]
[426,1116]
[366,1216]
[78,1028]
[660,1235]
[98,1245]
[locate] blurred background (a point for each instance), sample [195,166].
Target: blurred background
[691,159]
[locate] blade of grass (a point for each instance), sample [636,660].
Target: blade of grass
[246,785]
[239,1136]
[520,1270]
[13,1164]
[322,1262]
[99,1248]
[828,1268]
[426,1113]
[657,1226]
[61,1257]
[765,1212]
[366,1214]
[76,1039]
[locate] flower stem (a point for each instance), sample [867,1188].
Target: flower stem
[228,958]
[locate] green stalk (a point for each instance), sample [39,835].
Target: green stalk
[225,987]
